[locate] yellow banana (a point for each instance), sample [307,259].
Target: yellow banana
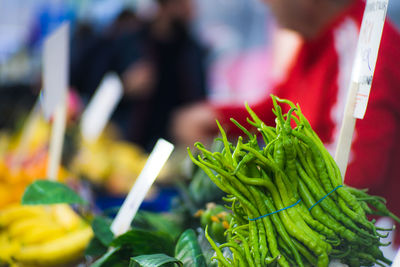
[64,215]
[22,227]
[8,248]
[61,215]
[42,234]
[16,212]
[62,250]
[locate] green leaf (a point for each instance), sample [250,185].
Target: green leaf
[145,242]
[167,223]
[206,248]
[101,229]
[106,257]
[95,248]
[188,250]
[42,192]
[153,260]
[203,190]
[120,257]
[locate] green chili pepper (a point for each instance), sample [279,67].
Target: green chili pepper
[237,251]
[220,256]
[246,248]
[324,218]
[306,254]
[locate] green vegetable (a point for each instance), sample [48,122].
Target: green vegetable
[44,192]
[271,190]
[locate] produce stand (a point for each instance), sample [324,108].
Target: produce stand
[274,196]
[192,231]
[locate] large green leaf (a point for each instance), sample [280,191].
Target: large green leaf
[115,257]
[188,250]
[167,223]
[95,248]
[42,192]
[206,248]
[145,242]
[101,229]
[203,190]
[154,260]
[105,258]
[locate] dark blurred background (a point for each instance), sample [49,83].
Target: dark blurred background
[168,53]
[160,66]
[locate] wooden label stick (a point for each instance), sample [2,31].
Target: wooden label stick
[346,131]
[56,141]
[362,76]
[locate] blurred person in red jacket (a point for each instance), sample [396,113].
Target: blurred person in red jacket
[318,78]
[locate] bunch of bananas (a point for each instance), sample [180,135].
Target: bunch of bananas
[109,163]
[42,235]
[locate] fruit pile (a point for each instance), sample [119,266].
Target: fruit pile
[23,159]
[42,235]
[109,163]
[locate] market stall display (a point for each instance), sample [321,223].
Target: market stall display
[287,206]
[273,197]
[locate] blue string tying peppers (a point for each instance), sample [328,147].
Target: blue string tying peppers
[255,219]
[298,201]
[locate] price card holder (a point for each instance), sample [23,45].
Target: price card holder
[55,69]
[55,83]
[367,52]
[101,107]
[158,157]
[362,76]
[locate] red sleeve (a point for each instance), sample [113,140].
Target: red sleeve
[375,158]
[263,109]
[372,148]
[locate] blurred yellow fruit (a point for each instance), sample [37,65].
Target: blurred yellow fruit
[42,235]
[110,163]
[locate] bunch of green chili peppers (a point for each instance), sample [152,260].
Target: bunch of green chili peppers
[289,205]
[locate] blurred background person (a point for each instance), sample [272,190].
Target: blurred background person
[94,52]
[162,68]
[237,32]
[159,61]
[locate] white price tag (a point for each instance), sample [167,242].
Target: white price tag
[101,107]
[55,69]
[158,157]
[367,52]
